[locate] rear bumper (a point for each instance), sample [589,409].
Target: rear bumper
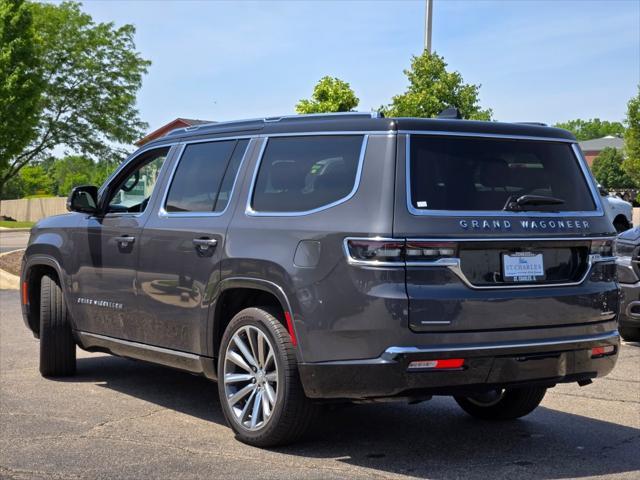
[543,362]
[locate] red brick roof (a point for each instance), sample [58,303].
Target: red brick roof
[172,125]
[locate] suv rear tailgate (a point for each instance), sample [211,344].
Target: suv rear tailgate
[471,291]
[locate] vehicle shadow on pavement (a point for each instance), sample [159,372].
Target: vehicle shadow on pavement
[434,439]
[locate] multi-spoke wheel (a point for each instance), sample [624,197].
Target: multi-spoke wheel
[250,377]
[258,381]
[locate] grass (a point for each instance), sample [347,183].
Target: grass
[12,224]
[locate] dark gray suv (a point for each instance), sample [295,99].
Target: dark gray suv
[348,257]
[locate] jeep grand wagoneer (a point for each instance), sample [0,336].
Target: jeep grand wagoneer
[349,257]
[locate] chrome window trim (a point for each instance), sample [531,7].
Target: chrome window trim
[163,213]
[454,263]
[249,211]
[125,164]
[598,212]
[130,158]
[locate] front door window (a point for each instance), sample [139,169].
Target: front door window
[134,190]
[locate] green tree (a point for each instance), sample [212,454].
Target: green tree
[432,89]
[329,95]
[607,168]
[93,74]
[71,171]
[35,180]
[21,80]
[632,139]
[592,128]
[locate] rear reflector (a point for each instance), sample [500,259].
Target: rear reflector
[25,294]
[292,332]
[446,364]
[602,351]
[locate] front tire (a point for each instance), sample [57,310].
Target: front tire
[57,347]
[258,382]
[506,404]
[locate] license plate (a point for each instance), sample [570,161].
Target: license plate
[522,267]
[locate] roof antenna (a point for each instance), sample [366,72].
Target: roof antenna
[450,113]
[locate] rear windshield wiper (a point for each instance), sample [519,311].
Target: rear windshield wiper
[524,201]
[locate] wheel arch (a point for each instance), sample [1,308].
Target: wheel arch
[34,268]
[238,293]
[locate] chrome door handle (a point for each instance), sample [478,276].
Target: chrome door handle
[204,244]
[125,240]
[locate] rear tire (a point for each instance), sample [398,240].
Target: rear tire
[508,405]
[57,347]
[630,334]
[246,391]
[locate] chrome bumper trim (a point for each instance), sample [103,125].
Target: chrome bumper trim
[392,353]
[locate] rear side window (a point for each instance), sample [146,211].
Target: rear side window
[204,177]
[299,174]
[475,174]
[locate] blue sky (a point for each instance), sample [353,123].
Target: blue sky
[545,60]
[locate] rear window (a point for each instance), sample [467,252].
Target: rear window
[299,174]
[204,177]
[475,174]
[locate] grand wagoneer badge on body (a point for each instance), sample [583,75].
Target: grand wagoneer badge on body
[542,224]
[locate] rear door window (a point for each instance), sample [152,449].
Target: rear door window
[298,174]
[204,177]
[482,174]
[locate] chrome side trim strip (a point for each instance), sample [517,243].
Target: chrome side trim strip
[137,345]
[510,239]
[393,353]
[498,213]
[162,212]
[356,184]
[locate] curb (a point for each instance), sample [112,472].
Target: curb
[7,230]
[9,281]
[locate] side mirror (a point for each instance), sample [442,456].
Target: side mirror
[83,199]
[603,191]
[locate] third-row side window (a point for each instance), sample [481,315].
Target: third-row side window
[298,174]
[205,176]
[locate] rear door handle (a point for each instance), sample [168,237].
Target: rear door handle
[125,240]
[204,244]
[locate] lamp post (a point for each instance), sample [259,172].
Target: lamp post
[428,17]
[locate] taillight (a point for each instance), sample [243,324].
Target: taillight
[598,352]
[429,251]
[376,251]
[391,251]
[604,248]
[444,364]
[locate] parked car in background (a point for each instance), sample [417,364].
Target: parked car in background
[628,264]
[339,257]
[618,210]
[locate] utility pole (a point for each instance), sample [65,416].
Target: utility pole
[428,17]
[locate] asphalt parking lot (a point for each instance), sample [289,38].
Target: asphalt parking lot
[124,419]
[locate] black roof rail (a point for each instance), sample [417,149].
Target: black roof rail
[254,123]
[538,124]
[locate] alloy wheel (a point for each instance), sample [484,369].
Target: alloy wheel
[250,377]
